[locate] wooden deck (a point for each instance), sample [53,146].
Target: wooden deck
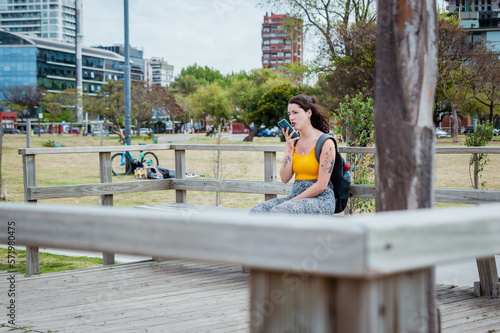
[179,296]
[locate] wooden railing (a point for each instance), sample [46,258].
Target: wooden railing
[370,273]
[269,187]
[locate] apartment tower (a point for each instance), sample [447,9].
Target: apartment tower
[51,19]
[282,41]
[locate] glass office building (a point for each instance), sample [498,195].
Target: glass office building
[29,60]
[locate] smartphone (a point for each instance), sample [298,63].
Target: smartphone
[284,124]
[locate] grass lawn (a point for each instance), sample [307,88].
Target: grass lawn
[49,263]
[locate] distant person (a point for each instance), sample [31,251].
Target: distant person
[311,193]
[209,130]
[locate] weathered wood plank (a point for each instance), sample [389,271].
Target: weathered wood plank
[270,171]
[29,177]
[64,191]
[287,302]
[169,296]
[227,147]
[108,258]
[467,150]
[366,245]
[97,149]
[466,196]
[270,148]
[428,237]
[236,186]
[195,208]
[391,304]
[180,173]
[488,276]
[241,239]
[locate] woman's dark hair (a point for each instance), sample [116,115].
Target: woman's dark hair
[319,118]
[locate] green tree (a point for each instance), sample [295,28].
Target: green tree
[146,98]
[212,100]
[357,124]
[246,94]
[271,107]
[24,99]
[487,92]
[461,63]
[204,75]
[354,69]
[56,103]
[108,104]
[478,138]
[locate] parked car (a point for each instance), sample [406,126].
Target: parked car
[468,129]
[11,130]
[97,132]
[143,130]
[440,133]
[35,131]
[270,132]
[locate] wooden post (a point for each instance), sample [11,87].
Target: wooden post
[28,133]
[180,173]
[476,162]
[106,200]
[405,83]
[29,170]
[270,171]
[286,302]
[488,278]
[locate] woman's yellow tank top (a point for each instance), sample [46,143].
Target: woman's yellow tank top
[305,167]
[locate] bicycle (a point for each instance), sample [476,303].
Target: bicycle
[122,163]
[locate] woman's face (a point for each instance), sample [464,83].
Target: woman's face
[299,118]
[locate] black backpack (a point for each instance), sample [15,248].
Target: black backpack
[341,186]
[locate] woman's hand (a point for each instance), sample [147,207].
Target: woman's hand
[286,171]
[290,141]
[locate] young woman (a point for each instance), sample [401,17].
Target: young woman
[311,193]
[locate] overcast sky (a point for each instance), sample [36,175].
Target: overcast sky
[222,34]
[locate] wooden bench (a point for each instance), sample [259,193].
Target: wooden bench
[368,274]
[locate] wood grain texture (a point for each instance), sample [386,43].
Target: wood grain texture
[106,175]
[488,276]
[426,237]
[180,173]
[270,171]
[291,302]
[99,149]
[273,148]
[65,191]
[177,296]
[29,176]
[365,246]
[390,304]
[321,245]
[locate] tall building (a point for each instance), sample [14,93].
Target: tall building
[280,47]
[52,19]
[162,73]
[28,60]
[137,66]
[481,18]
